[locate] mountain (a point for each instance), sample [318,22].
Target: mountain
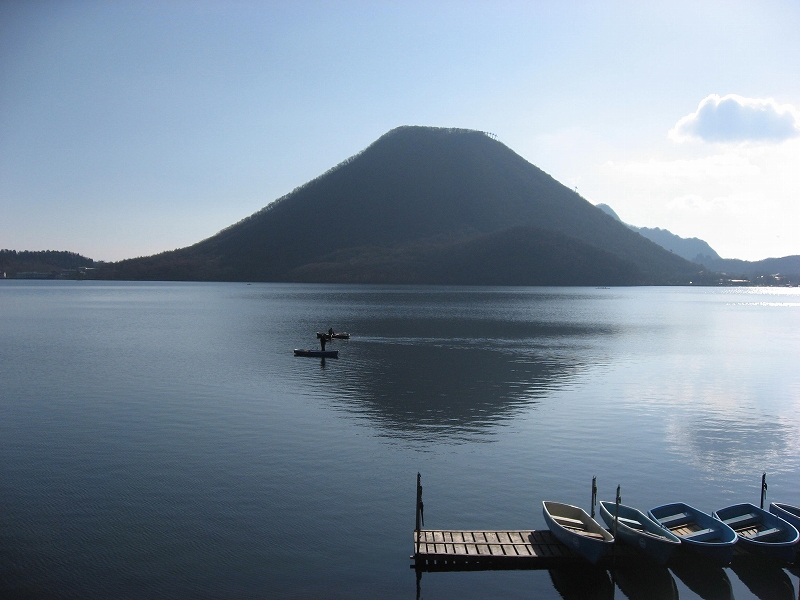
[698,251]
[692,249]
[786,265]
[45,264]
[424,205]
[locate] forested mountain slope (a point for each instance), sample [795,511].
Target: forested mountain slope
[408,204]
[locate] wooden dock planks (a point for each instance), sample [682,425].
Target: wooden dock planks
[452,549]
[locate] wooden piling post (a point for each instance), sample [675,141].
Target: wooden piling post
[420,509]
[763,489]
[616,520]
[594,494]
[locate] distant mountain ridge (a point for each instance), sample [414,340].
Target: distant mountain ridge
[689,248]
[415,200]
[698,251]
[50,263]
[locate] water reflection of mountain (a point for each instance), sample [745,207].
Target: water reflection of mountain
[428,378]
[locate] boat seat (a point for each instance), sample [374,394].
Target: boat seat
[630,523]
[701,535]
[591,534]
[762,536]
[568,521]
[674,519]
[741,520]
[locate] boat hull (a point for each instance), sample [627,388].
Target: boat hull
[761,531]
[648,537]
[317,353]
[698,531]
[585,535]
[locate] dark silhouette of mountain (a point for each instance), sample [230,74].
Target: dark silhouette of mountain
[51,263]
[698,251]
[692,249]
[424,205]
[787,265]
[514,256]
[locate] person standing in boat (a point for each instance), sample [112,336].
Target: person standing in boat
[330,332]
[322,339]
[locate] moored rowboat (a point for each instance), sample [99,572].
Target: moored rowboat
[573,527]
[760,530]
[787,512]
[640,531]
[697,530]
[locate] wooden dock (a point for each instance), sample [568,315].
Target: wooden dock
[450,550]
[477,550]
[436,550]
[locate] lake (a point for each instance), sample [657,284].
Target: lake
[160,440]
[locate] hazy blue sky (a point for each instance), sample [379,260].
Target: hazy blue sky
[129,128]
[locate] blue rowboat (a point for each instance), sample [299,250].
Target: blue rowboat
[640,531]
[577,530]
[787,512]
[761,531]
[317,353]
[698,531]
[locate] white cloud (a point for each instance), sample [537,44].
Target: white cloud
[734,119]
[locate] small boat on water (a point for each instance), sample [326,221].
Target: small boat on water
[573,527]
[640,531]
[317,353]
[761,531]
[697,530]
[341,335]
[787,512]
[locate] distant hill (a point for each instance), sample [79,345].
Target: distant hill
[424,205]
[41,264]
[698,251]
[692,249]
[786,265]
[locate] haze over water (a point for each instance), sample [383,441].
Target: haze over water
[160,440]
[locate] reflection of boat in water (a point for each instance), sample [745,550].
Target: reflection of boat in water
[761,531]
[640,531]
[698,531]
[317,353]
[573,527]
[707,581]
[582,583]
[765,579]
[652,582]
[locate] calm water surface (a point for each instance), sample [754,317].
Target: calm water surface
[161,440]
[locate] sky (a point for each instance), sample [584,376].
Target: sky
[129,128]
